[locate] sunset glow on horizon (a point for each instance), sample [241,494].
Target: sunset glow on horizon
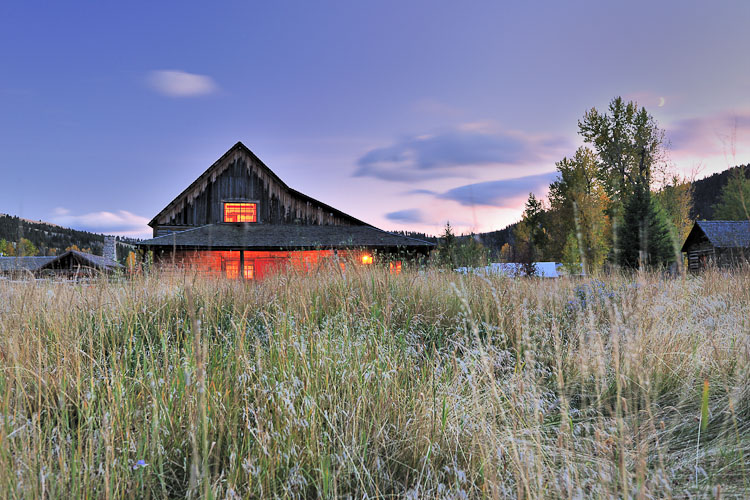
[405,116]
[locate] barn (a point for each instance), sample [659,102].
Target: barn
[719,242]
[240,220]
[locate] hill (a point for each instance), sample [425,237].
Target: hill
[49,239]
[706,192]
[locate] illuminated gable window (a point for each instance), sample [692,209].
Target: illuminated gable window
[240,212]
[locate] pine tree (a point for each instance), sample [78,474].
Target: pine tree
[447,247]
[734,203]
[644,236]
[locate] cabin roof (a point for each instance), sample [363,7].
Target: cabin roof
[241,147]
[283,236]
[720,233]
[88,259]
[24,263]
[38,263]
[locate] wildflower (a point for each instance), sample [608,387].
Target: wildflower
[140,464]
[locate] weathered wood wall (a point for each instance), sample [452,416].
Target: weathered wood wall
[702,254]
[240,177]
[699,254]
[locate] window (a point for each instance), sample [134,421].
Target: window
[249,271]
[395,267]
[232,268]
[366,259]
[240,212]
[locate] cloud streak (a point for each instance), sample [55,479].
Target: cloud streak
[709,135]
[410,216]
[456,153]
[506,193]
[119,222]
[176,83]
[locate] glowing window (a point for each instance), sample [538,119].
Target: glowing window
[395,267]
[240,212]
[232,268]
[367,259]
[249,271]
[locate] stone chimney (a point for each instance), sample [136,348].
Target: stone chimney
[110,250]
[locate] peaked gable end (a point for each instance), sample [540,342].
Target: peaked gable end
[240,176]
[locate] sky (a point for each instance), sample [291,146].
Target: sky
[403,114]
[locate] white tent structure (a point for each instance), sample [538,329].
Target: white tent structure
[542,269]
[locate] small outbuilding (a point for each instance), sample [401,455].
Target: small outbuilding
[69,264]
[721,243]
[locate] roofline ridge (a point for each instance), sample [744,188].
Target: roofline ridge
[239,145]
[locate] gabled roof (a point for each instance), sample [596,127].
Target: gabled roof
[720,233]
[38,263]
[283,236]
[9,264]
[86,259]
[242,148]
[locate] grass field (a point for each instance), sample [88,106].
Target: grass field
[423,385]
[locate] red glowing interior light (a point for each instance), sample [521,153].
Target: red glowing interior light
[240,212]
[232,269]
[249,271]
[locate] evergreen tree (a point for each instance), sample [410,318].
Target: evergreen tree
[446,251]
[644,235]
[734,202]
[531,234]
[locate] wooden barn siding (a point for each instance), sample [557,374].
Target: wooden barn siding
[696,251]
[213,262]
[241,178]
[720,257]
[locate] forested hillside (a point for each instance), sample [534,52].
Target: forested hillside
[706,192]
[44,238]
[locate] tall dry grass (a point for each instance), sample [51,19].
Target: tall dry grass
[422,385]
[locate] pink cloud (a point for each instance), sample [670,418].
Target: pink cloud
[723,134]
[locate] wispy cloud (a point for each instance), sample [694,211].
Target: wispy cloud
[119,222]
[421,191]
[457,152]
[508,193]
[176,83]
[710,135]
[411,215]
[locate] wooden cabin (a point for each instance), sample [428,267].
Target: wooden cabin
[721,243]
[240,220]
[71,264]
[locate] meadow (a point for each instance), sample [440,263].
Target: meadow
[427,384]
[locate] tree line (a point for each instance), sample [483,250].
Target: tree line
[616,201]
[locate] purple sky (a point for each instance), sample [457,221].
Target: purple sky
[403,114]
